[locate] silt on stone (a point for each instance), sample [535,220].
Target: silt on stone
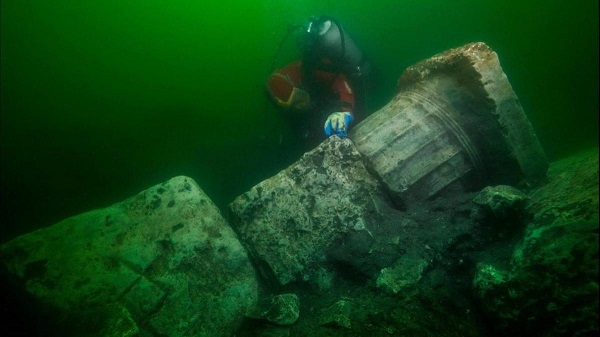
[455,123]
[166,258]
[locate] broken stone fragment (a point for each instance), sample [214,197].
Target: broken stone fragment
[281,309]
[455,123]
[403,276]
[288,221]
[337,315]
[166,255]
[502,202]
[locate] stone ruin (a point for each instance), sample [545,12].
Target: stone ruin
[455,122]
[382,233]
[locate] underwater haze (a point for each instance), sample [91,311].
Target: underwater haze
[101,99]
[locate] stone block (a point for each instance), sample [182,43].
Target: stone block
[166,255]
[288,221]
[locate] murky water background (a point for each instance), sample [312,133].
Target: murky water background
[102,99]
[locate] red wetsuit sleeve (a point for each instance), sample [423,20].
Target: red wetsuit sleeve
[294,72]
[282,81]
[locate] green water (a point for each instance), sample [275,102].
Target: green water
[103,98]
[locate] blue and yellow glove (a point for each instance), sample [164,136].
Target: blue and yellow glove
[338,123]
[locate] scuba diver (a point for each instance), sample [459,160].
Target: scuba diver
[319,90]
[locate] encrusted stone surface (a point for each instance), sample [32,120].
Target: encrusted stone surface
[338,315]
[502,203]
[283,309]
[167,256]
[551,285]
[502,199]
[402,276]
[454,122]
[288,221]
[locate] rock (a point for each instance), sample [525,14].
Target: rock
[323,279]
[281,309]
[288,221]
[489,285]
[502,203]
[110,320]
[337,315]
[166,255]
[572,190]
[455,124]
[551,286]
[120,324]
[403,276]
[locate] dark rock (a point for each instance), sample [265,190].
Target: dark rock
[337,315]
[502,206]
[281,309]
[551,285]
[571,193]
[502,201]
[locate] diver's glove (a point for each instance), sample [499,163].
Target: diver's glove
[338,123]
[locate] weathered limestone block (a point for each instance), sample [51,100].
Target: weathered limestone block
[455,121]
[288,221]
[167,256]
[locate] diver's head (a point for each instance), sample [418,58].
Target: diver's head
[312,30]
[318,25]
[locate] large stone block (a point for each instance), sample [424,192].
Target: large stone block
[166,256]
[288,221]
[455,121]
